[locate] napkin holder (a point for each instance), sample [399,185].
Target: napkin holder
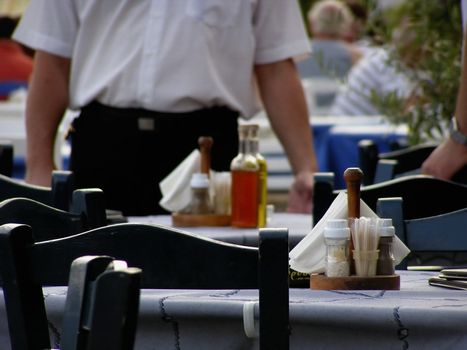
[353,177]
[180,219]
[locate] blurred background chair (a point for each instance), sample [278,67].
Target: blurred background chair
[60,196]
[428,237]
[101,306]
[378,167]
[423,195]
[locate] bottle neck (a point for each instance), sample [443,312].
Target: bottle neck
[244,146]
[254,146]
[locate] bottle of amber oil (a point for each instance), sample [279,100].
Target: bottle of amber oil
[244,170]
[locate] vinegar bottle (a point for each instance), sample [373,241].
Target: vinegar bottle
[262,175]
[244,170]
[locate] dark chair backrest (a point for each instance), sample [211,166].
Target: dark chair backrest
[49,222]
[274,327]
[437,233]
[378,167]
[6,158]
[114,310]
[423,196]
[59,195]
[170,258]
[89,284]
[102,304]
[177,260]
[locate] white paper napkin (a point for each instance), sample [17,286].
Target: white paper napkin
[176,191]
[175,187]
[309,254]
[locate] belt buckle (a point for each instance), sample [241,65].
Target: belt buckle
[146,124]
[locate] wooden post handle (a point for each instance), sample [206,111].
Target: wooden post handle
[205,144]
[353,178]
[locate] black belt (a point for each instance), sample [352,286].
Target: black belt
[97,109]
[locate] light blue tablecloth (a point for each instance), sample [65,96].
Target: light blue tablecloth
[418,316]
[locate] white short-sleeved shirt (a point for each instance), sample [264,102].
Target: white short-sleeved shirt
[165,55]
[373,74]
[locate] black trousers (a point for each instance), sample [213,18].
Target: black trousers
[127,152]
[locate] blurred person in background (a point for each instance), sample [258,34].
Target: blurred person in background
[329,21]
[15,64]
[380,73]
[150,77]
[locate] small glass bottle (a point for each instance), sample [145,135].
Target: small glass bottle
[336,238]
[200,199]
[385,264]
[244,170]
[262,175]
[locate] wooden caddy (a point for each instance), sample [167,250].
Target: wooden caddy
[193,220]
[353,178]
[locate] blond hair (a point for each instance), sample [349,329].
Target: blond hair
[12,8]
[330,17]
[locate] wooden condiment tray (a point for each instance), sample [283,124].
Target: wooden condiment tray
[322,282]
[193,220]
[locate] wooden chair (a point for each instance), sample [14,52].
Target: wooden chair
[101,299]
[423,196]
[88,212]
[178,260]
[6,158]
[444,233]
[378,167]
[59,195]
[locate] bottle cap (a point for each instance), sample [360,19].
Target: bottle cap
[386,229]
[199,180]
[337,228]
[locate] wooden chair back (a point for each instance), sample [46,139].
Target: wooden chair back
[88,212]
[92,279]
[177,260]
[59,195]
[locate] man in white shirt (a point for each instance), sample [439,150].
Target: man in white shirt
[150,76]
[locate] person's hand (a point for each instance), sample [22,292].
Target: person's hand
[301,192]
[448,158]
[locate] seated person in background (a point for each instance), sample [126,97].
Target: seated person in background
[15,65]
[374,74]
[356,35]
[331,56]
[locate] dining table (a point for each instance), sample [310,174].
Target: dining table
[418,316]
[299,226]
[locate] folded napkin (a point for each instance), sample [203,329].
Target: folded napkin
[309,254]
[175,187]
[176,191]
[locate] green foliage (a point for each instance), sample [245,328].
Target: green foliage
[436,60]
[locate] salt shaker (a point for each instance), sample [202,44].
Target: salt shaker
[336,237]
[385,264]
[200,200]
